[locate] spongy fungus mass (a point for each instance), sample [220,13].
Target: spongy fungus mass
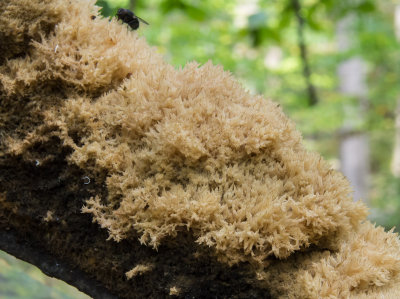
[187,150]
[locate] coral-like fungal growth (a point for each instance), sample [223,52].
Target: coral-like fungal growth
[185,150]
[365,266]
[139,270]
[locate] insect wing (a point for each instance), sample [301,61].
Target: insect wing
[143,21]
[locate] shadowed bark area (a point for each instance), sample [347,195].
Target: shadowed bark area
[41,222]
[50,265]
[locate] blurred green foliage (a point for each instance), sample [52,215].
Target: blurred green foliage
[24,281]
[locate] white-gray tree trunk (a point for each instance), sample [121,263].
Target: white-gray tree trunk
[396,151]
[354,144]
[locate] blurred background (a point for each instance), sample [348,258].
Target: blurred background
[333,65]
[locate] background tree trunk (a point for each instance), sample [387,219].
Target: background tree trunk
[396,151]
[354,147]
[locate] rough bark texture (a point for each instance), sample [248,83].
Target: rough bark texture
[69,241]
[41,199]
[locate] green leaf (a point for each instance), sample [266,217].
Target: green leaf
[284,21]
[366,7]
[192,11]
[195,13]
[106,10]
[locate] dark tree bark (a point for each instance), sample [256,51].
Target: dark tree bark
[41,222]
[50,265]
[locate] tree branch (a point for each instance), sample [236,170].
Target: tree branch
[52,266]
[312,94]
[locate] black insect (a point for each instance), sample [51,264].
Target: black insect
[129,18]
